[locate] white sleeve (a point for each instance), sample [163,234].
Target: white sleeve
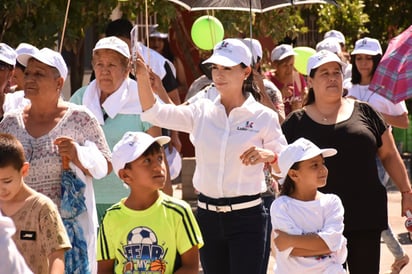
[332,231]
[11,261]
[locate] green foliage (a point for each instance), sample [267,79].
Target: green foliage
[349,18]
[389,18]
[40,22]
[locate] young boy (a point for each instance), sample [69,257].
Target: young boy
[149,231]
[40,234]
[308,225]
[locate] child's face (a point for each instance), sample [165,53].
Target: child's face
[146,172]
[311,172]
[11,181]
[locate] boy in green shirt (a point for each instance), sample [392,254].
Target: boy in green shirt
[148,231]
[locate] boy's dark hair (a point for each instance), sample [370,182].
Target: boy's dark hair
[120,28]
[11,152]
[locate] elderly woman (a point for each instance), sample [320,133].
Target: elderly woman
[291,84]
[49,129]
[112,98]
[359,133]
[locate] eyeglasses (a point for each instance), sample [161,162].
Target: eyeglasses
[4,66]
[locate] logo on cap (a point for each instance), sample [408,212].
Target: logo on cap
[223,45]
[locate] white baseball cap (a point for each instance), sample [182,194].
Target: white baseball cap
[46,56]
[369,46]
[113,43]
[281,52]
[337,34]
[7,54]
[230,52]
[256,48]
[322,57]
[300,150]
[132,146]
[331,44]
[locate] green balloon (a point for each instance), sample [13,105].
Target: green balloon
[302,58]
[206,32]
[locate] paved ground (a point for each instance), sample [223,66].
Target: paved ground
[397,224]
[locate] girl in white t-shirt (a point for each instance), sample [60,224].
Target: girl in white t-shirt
[307,224]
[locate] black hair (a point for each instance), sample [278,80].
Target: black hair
[249,85]
[151,150]
[288,186]
[8,66]
[356,76]
[120,28]
[20,66]
[11,152]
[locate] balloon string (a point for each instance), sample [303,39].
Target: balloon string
[64,26]
[211,28]
[147,32]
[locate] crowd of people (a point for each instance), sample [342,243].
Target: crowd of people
[284,160]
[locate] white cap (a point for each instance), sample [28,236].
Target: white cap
[132,146]
[369,46]
[337,34]
[281,52]
[7,54]
[322,57]
[331,44]
[256,48]
[24,48]
[113,43]
[158,34]
[300,150]
[46,56]
[230,52]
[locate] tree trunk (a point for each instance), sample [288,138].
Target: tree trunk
[77,67]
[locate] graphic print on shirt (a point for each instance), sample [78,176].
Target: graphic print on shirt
[142,253]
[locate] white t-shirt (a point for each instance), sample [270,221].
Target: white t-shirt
[324,217]
[380,103]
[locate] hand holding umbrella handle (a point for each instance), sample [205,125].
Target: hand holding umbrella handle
[65,162]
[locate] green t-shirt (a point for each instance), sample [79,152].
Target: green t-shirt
[148,240]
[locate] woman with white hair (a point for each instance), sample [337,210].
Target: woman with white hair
[50,129]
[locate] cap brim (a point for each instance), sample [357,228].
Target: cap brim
[326,152]
[220,60]
[24,58]
[367,52]
[162,140]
